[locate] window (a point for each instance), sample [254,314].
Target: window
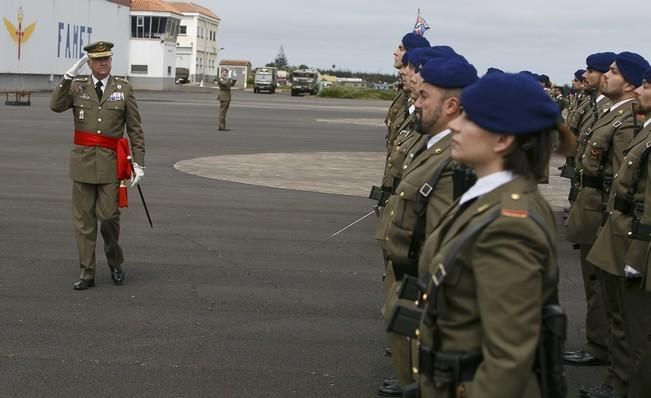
[184,30]
[169,71]
[139,69]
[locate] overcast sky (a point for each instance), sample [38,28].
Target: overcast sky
[552,37]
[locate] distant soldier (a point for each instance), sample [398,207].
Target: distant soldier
[225,83]
[610,161]
[103,107]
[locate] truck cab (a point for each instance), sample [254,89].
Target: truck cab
[304,81]
[265,80]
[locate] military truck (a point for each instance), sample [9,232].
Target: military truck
[304,81]
[265,80]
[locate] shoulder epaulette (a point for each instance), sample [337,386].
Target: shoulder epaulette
[514,205]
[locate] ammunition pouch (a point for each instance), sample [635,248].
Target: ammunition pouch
[574,191]
[453,368]
[380,194]
[629,207]
[411,289]
[568,172]
[641,231]
[404,321]
[549,363]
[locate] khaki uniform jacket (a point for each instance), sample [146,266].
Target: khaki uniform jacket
[609,137]
[613,248]
[586,127]
[491,299]
[116,111]
[225,88]
[396,117]
[402,211]
[578,112]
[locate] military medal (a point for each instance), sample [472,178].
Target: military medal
[81,114]
[119,86]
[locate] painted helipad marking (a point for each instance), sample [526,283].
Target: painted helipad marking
[345,173]
[358,122]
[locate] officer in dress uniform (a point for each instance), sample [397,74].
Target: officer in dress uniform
[426,188]
[585,218]
[224,83]
[103,107]
[614,149]
[484,296]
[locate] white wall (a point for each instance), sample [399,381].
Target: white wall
[54,46]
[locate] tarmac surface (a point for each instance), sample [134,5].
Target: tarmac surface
[236,291]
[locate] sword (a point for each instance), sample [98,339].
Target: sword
[350,225]
[142,198]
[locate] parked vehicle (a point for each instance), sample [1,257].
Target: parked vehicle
[304,81]
[265,80]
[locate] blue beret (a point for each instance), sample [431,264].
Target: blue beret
[412,40]
[507,103]
[451,72]
[600,61]
[543,78]
[414,57]
[529,74]
[578,75]
[422,55]
[494,70]
[647,75]
[631,66]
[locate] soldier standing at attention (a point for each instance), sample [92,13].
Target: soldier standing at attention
[425,190]
[584,221]
[225,83]
[103,106]
[482,308]
[613,153]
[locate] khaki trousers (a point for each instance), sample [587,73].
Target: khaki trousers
[92,203]
[637,324]
[223,109]
[596,324]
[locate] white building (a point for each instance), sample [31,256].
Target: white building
[154,26]
[48,36]
[197,44]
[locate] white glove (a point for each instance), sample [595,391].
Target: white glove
[630,272]
[138,174]
[76,68]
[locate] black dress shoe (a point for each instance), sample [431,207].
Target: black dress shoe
[389,381]
[118,275]
[582,358]
[392,390]
[387,352]
[83,284]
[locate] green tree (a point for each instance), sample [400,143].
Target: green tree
[281,59]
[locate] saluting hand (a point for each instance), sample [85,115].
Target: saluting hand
[76,68]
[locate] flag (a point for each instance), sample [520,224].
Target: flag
[421,25]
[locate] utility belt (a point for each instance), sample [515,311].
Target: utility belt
[629,207]
[599,183]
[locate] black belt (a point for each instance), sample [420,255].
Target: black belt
[461,365]
[624,206]
[592,182]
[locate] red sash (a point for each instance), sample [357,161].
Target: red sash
[121,148]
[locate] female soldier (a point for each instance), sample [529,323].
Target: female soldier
[491,262]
